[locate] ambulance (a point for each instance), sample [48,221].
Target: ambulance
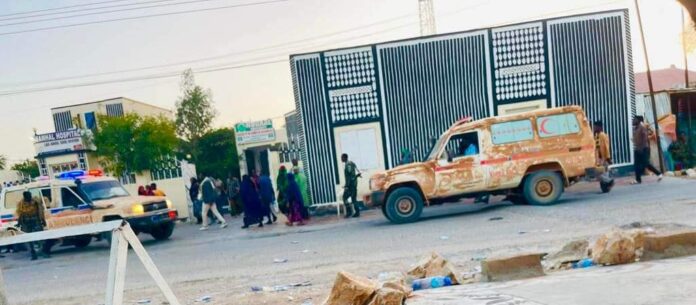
[81,197]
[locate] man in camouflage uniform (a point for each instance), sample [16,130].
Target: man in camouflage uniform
[350,190]
[31,218]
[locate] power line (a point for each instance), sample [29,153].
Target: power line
[83,9]
[60,8]
[234,65]
[108,12]
[142,17]
[248,51]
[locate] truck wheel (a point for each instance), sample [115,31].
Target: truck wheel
[384,211]
[542,188]
[404,205]
[163,232]
[82,241]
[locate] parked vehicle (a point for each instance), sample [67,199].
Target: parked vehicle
[530,157]
[80,197]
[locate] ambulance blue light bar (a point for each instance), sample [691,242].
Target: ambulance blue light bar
[71,175]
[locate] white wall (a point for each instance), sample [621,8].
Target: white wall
[376,149]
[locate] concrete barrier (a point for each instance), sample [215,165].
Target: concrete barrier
[512,268]
[661,246]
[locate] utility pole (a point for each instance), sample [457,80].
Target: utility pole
[427,17]
[650,85]
[686,61]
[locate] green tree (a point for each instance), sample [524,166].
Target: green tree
[219,150]
[28,167]
[132,143]
[3,162]
[194,114]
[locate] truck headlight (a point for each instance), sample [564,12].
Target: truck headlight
[170,205]
[138,209]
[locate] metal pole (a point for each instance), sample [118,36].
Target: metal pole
[650,85]
[686,61]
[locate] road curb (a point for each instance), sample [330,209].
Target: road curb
[512,267]
[669,245]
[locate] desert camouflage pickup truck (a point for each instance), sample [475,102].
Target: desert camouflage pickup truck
[529,157]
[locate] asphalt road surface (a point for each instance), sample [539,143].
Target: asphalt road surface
[225,263]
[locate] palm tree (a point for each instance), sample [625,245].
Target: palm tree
[3,162]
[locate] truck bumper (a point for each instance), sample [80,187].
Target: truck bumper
[377,198]
[146,222]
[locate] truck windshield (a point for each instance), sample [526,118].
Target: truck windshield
[432,155]
[102,190]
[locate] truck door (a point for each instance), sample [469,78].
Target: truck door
[458,169]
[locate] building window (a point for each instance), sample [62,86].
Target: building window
[166,168]
[42,167]
[82,159]
[114,110]
[90,120]
[62,121]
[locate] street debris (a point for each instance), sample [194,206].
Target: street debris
[278,288]
[351,289]
[585,263]
[294,242]
[280,260]
[431,282]
[204,299]
[144,301]
[495,218]
[434,265]
[305,251]
[572,252]
[444,237]
[614,248]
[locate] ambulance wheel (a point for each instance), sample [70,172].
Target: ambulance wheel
[403,205]
[542,188]
[163,232]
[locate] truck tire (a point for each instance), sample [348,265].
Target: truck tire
[82,241]
[384,211]
[403,205]
[542,188]
[163,232]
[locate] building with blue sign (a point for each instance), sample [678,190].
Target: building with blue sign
[387,102]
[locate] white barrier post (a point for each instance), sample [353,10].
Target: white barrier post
[122,236]
[117,268]
[149,264]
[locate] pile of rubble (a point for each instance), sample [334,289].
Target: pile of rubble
[391,289]
[691,173]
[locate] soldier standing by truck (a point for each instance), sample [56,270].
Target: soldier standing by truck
[31,218]
[350,190]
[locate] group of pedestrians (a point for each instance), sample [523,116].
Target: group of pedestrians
[150,190]
[255,195]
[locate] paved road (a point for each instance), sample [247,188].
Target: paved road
[226,263]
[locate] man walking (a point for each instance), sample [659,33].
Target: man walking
[350,190]
[602,145]
[210,196]
[641,151]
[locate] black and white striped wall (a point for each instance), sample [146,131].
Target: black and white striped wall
[415,89]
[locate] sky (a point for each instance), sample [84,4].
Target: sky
[252,41]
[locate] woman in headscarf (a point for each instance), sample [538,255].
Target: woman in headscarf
[282,184]
[142,191]
[252,203]
[267,198]
[295,202]
[301,180]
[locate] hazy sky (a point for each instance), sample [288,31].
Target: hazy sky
[239,36]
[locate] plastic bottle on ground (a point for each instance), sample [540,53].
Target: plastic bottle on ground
[431,282]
